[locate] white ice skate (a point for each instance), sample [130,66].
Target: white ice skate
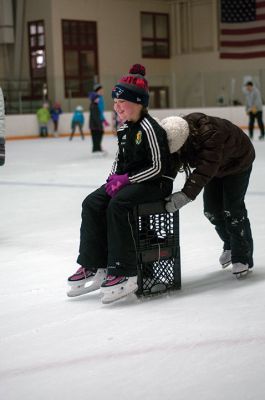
[88,284]
[225,258]
[99,154]
[117,287]
[240,270]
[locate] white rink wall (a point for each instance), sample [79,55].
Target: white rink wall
[24,125]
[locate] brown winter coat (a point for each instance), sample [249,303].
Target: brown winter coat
[215,148]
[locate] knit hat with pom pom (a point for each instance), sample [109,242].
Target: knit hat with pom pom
[133,87]
[177,130]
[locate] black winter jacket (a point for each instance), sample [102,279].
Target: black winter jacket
[215,148]
[143,151]
[95,123]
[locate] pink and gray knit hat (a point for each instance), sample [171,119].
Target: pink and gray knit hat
[133,87]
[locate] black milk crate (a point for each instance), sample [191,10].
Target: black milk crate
[159,268]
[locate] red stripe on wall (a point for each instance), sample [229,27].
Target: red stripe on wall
[238,56]
[246,43]
[259,29]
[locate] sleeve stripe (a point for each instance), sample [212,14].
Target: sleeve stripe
[155,152]
[114,165]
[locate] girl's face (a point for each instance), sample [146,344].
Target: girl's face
[126,110]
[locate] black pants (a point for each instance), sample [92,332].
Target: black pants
[80,127]
[55,125]
[96,140]
[107,234]
[252,117]
[225,208]
[43,130]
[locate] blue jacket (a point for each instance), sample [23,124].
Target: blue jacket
[55,113]
[78,117]
[101,107]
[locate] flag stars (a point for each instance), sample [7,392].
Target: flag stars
[238,11]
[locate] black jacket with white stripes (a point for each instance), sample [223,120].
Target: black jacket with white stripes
[143,151]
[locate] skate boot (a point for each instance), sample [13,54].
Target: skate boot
[240,270]
[117,287]
[225,258]
[85,281]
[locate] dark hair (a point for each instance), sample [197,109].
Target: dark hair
[144,111]
[187,152]
[183,164]
[249,83]
[97,87]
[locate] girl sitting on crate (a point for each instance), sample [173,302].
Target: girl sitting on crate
[142,172]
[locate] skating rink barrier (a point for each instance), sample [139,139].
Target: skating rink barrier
[23,126]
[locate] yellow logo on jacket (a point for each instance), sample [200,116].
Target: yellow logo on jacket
[138,139]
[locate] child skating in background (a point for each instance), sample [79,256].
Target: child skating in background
[55,112]
[142,172]
[43,116]
[78,120]
[95,125]
[98,89]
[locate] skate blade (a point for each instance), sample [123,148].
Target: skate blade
[107,299]
[158,288]
[81,283]
[241,275]
[226,264]
[82,290]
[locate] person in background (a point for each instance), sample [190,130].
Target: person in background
[55,112]
[254,108]
[43,116]
[78,120]
[141,172]
[2,128]
[217,156]
[95,124]
[98,89]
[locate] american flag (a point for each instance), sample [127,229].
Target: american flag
[242,29]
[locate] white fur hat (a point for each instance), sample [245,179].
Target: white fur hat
[177,130]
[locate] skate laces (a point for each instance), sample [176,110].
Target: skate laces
[81,273]
[112,280]
[86,273]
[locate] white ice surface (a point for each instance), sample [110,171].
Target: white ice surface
[204,342]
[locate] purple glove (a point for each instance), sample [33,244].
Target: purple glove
[115,183]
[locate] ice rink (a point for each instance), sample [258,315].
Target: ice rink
[204,342]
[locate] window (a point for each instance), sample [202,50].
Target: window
[37,57]
[158,97]
[155,35]
[80,57]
